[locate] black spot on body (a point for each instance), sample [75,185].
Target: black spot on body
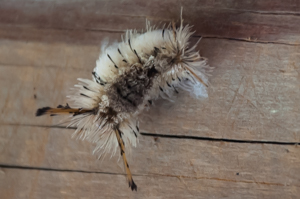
[152,72]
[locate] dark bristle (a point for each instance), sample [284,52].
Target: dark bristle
[137,56]
[84,95]
[120,52]
[134,133]
[42,111]
[137,128]
[112,61]
[110,58]
[53,114]
[129,44]
[168,84]
[86,88]
[175,90]
[161,89]
[98,79]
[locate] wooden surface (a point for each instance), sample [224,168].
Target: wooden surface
[241,142]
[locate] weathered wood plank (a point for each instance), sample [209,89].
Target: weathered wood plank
[33,184]
[58,55]
[265,6]
[51,36]
[254,94]
[230,19]
[273,165]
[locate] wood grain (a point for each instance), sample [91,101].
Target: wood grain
[46,184]
[254,94]
[160,167]
[269,22]
[252,165]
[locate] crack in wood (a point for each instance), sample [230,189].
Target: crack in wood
[221,139]
[7,166]
[177,136]
[246,40]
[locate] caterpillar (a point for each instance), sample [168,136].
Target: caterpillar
[128,77]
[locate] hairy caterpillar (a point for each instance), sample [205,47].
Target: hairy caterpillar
[128,76]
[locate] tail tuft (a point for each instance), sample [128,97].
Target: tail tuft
[132,185]
[42,111]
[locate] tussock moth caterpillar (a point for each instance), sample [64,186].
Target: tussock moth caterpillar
[128,76]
